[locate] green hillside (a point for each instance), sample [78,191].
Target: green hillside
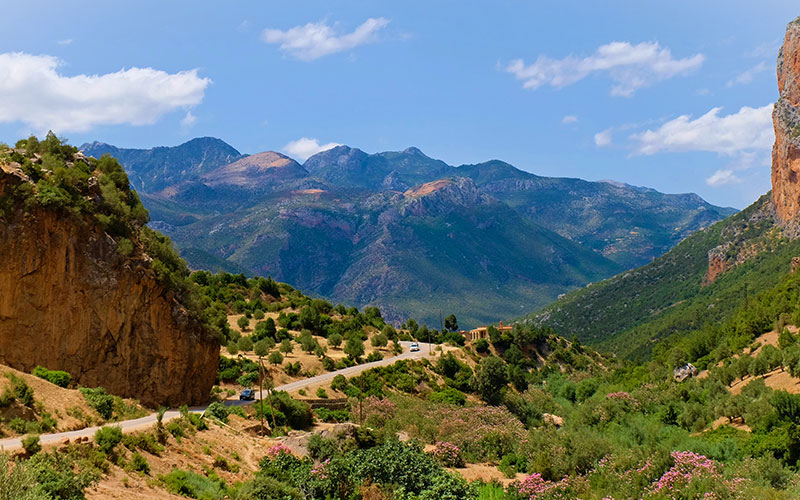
[403,231]
[630,313]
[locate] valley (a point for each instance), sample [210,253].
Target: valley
[325,323]
[402,231]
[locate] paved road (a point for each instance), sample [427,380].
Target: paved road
[145,422]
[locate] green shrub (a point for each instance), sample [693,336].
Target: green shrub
[57,377]
[263,487]
[21,391]
[374,356]
[245,344]
[100,400]
[19,482]
[107,438]
[248,379]
[222,463]
[238,411]
[448,395]
[176,429]
[321,393]
[262,347]
[18,425]
[292,369]
[328,364]
[339,383]
[298,414]
[192,485]
[219,411]
[139,464]
[327,415]
[275,358]
[322,448]
[66,476]
[30,444]
[145,442]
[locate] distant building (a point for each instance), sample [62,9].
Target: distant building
[683,372]
[482,332]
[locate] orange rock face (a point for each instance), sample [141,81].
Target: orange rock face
[717,264]
[786,120]
[69,302]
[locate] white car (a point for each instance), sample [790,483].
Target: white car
[414,347]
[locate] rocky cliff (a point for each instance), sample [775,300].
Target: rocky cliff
[786,119]
[785,196]
[71,300]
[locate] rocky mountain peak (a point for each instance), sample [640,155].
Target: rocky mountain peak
[413,151]
[257,169]
[443,195]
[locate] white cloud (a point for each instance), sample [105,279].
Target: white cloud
[33,92]
[304,148]
[630,67]
[765,50]
[723,177]
[603,139]
[747,76]
[189,120]
[315,40]
[66,41]
[569,119]
[748,129]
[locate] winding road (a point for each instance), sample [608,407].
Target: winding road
[139,424]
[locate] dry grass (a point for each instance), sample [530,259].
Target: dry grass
[193,453]
[66,405]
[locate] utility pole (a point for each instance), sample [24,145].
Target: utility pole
[261,390]
[263,370]
[360,400]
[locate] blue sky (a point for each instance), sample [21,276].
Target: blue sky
[670,95]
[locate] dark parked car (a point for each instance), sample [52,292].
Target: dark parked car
[248,395]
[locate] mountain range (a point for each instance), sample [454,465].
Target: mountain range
[403,231]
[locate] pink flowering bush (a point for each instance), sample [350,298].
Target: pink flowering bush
[377,412]
[448,454]
[535,487]
[481,432]
[278,449]
[696,477]
[319,471]
[683,476]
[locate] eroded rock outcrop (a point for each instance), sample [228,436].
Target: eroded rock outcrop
[786,120]
[70,301]
[743,239]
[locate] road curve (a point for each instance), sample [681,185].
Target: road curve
[143,423]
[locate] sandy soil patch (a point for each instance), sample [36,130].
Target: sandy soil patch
[486,473]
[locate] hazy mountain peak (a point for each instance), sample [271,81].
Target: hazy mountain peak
[255,171]
[414,151]
[153,169]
